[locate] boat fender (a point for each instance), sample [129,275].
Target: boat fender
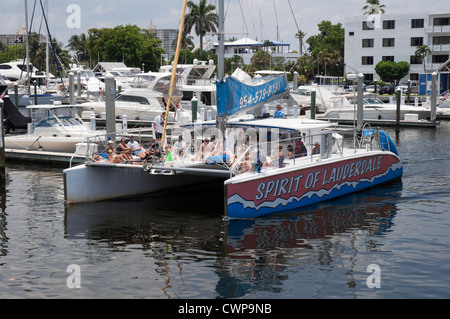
[218,159]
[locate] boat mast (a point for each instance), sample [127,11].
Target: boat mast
[174,70]
[27,54]
[47,66]
[220,118]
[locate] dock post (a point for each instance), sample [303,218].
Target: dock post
[79,84]
[71,88]
[110,107]
[433,98]
[398,95]
[16,95]
[295,85]
[93,124]
[35,93]
[125,123]
[409,91]
[360,104]
[313,104]
[194,109]
[2,138]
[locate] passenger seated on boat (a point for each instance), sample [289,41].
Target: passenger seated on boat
[136,148]
[206,150]
[246,165]
[168,154]
[260,159]
[300,148]
[290,150]
[316,149]
[281,156]
[109,154]
[179,146]
[124,149]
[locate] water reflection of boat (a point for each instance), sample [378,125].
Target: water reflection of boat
[265,254]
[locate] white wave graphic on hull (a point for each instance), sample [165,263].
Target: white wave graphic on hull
[320,193]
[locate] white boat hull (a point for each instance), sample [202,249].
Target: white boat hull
[102,181]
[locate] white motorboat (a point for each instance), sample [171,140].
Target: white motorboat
[443,109]
[374,109]
[144,100]
[196,81]
[54,128]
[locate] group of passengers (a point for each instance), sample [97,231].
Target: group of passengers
[132,152]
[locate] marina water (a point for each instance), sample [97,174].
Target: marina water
[388,242]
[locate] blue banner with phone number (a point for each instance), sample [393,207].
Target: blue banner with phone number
[233,95]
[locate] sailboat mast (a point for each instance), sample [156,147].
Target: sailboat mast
[27,53]
[174,70]
[47,66]
[220,118]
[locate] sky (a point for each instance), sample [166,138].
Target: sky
[256,19]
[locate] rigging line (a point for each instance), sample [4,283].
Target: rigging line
[243,17]
[276,18]
[51,42]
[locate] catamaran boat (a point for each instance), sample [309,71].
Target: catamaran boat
[144,100]
[331,163]
[258,179]
[53,128]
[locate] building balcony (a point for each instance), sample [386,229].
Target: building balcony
[438,29]
[440,48]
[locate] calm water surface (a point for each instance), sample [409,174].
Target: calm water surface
[171,246]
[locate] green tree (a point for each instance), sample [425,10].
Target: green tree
[300,35]
[373,7]
[392,72]
[260,60]
[125,43]
[202,18]
[327,47]
[421,52]
[78,44]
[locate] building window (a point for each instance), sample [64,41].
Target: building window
[439,58]
[441,21]
[365,26]
[368,77]
[351,33]
[416,41]
[388,42]
[417,23]
[389,24]
[413,59]
[388,58]
[367,43]
[367,60]
[414,76]
[441,40]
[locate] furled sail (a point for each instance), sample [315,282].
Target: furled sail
[239,92]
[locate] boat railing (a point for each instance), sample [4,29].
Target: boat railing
[95,144]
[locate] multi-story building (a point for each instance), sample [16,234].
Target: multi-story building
[167,36]
[370,39]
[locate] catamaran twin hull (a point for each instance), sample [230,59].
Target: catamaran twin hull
[254,195]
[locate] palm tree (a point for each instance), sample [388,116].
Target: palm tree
[300,35]
[373,7]
[421,52]
[203,19]
[78,44]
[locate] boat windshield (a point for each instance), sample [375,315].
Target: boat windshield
[373,100]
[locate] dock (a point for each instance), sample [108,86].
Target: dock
[43,157]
